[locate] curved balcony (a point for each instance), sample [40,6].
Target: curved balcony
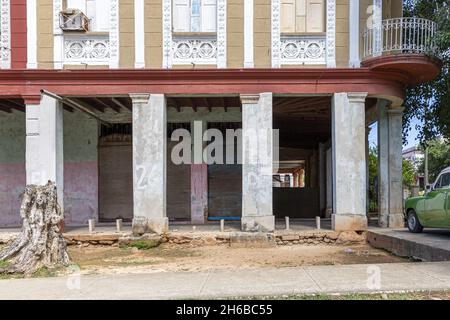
[405,44]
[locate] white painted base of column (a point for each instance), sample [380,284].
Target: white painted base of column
[348,222]
[143,225]
[258,223]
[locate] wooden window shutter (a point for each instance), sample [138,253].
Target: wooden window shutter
[300,16]
[209,15]
[100,10]
[287,16]
[181,16]
[315,16]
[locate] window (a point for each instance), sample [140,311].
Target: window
[302,16]
[194,15]
[98,12]
[444,181]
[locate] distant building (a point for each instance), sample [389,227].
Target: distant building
[415,156]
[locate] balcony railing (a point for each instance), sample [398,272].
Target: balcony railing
[196,49]
[303,49]
[86,49]
[400,36]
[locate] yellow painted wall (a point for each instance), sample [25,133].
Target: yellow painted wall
[153,33]
[342,33]
[235,33]
[126,33]
[262,16]
[45,34]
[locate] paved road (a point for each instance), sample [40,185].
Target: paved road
[269,281]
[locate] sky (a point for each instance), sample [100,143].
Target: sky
[411,140]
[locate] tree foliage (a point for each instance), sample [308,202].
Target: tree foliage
[438,158]
[430,102]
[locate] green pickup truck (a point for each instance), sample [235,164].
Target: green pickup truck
[433,209]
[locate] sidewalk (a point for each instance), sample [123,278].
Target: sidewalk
[267,281]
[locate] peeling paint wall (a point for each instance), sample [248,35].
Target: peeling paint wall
[12,166]
[80,168]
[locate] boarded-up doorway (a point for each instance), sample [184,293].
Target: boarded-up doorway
[178,181]
[225,180]
[115,162]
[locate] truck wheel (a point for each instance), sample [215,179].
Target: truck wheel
[413,222]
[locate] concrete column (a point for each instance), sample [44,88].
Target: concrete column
[44,144]
[257,153]
[367,170]
[322,179]
[329,184]
[349,161]
[149,163]
[383,164]
[396,219]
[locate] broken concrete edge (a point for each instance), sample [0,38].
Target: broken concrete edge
[407,248]
[233,239]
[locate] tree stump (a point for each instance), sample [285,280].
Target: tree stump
[41,243]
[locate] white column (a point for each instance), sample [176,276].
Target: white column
[139,34]
[349,161]
[58,36]
[167,33]
[354,35]
[114,41]
[377,24]
[331,33]
[31,34]
[275,34]
[396,219]
[383,164]
[149,163]
[248,34]
[5,31]
[221,33]
[257,153]
[44,144]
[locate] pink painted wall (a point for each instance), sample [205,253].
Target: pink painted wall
[80,168]
[12,184]
[80,192]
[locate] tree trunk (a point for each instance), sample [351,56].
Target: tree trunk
[40,243]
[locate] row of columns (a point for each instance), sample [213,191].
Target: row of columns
[44,160]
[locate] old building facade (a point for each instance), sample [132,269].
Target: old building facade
[91,93]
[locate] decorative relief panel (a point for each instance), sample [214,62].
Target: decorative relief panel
[85,49]
[201,50]
[303,50]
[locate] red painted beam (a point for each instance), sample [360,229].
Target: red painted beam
[28,83]
[18,34]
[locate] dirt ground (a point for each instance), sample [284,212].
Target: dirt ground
[167,257]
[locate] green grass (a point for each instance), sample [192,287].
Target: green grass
[4,264]
[442,295]
[142,244]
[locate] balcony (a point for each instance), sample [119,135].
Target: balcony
[403,44]
[86,49]
[303,50]
[194,49]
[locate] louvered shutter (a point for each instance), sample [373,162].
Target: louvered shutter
[287,16]
[315,18]
[209,15]
[181,16]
